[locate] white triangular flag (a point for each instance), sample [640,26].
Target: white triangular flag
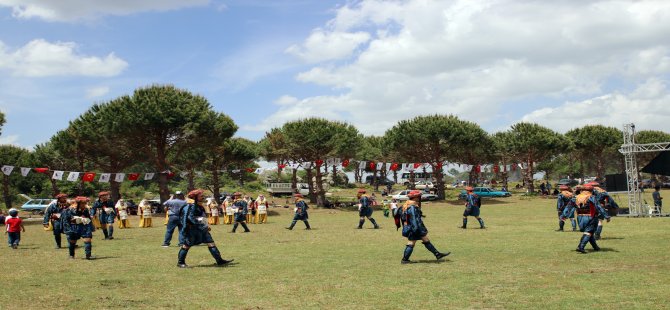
[235,171]
[380,166]
[148,176]
[104,177]
[118,177]
[258,171]
[7,170]
[361,164]
[58,175]
[73,176]
[199,174]
[25,171]
[405,166]
[183,174]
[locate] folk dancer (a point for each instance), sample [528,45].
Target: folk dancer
[472,205]
[589,212]
[606,201]
[365,209]
[213,211]
[565,197]
[52,217]
[77,225]
[251,206]
[227,207]
[121,209]
[103,208]
[144,210]
[240,210]
[195,230]
[261,210]
[300,211]
[172,208]
[414,229]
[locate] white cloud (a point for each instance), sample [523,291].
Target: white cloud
[646,107]
[324,45]
[475,58]
[73,10]
[39,58]
[96,92]
[10,139]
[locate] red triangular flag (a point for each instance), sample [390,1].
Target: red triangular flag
[318,162]
[478,169]
[282,166]
[133,176]
[439,165]
[88,177]
[170,175]
[372,165]
[496,168]
[417,165]
[41,170]
[394,166]
[250,170]
[345,163]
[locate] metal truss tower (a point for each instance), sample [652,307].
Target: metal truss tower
[629,149]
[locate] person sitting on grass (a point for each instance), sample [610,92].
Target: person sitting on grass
[414,229]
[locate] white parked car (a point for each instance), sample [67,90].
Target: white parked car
[424,185]
[402,196]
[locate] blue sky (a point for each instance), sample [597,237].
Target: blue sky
[371,63]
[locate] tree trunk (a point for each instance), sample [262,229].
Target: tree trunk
[163,190]
[411,180]
[395,176]
[529,175]
[357,175]
[5,192]
[80,186]
[215,185]
[599,167]
[504,177]
[294,180]
[190,178]
[240,181]
[310,185]
[114,190]
[335,178]
[439,181]
[320,192]
[472,176]
[161,165]
[54,187]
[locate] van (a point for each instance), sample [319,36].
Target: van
[418,176]
[37,206]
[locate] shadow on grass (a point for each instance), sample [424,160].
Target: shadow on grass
[104,257]
[431,261]
[233,264]
[612,238]
[608,250]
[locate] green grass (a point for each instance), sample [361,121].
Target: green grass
[519,262]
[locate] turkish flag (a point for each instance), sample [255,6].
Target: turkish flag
[478,169]
[417,165]
[250,170]
[372,165]
[41,170]
[133,176]
[282,166]
[319,162]
[438,165]
[88,177]
[496,168]
[345,163]
[394,166]
[170,175]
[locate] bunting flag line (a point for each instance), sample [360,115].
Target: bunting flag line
[7,170]
[118,177]
[58,175]
[380,166]
[73,176]
[41,170]
[133,176]
[148,176]
[362,164]
[25,171]
[259,170]
[104,177]
[183,174]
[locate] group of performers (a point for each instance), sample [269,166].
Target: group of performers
[588,204]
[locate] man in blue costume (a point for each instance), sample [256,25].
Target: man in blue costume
[472,205]
[589,212]
[365,210]
[241,209]
[104,209]
[76,223]
[414,229]
[564,198]
[606,201]
[195,230]
[52,215]
[300,212]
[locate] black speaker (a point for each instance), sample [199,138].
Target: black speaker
[616,183]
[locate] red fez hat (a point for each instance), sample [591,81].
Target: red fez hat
[297,195]
[564,187]
[587,187]
[81,199]
[237,194]
[469,189]
[103,194]
[195,193]
[414,194]
[361,191]
[61,195]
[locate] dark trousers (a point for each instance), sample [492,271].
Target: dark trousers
[13,238]
[173,222]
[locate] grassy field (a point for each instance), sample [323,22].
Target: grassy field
[518,262]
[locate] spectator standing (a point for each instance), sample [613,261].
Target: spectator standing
[658,200]
[14,227]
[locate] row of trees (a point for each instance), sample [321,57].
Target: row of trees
[166,129]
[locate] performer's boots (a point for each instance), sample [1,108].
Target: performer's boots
[244,225]
[374,223]
[560,225]
[292,224]
[110,231]
[104,231]
[407,254]
[70,249]
[574,224]
[599,230]
[593,243]
[181,258]
[58,241]
[433,250]
[582,243]
[235,227]
[217,256]
[481,223]
[360,223]
[465,223]
[88,247]
[307,225]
